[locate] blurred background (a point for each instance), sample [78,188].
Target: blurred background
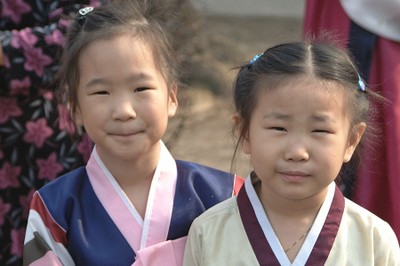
[288,8]
[222,35]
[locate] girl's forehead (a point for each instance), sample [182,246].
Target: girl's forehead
[117,48]
[117,58]
[289,85]
[116,42]
[302,94]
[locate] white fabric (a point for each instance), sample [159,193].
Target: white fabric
[381,17]
[217,237]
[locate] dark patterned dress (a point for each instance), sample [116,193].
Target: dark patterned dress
[35,134]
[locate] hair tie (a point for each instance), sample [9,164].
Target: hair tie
[255,58]
[83,13]
[361,84]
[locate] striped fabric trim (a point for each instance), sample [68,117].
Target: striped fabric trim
[45,240]
[37,252]
[57,232]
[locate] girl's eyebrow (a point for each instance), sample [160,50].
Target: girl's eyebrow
[276,115]
[322,118]
[316,117]
[141,76]
[95,81]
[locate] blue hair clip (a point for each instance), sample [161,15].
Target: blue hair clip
[361,85]
[255,58]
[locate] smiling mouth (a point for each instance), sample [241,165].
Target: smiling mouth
[294,176]
[125,136]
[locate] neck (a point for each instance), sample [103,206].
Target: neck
[291,218]
[132,172]
[276,205]
[134,176]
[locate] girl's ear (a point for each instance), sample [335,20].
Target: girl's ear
[172,100]
[355,136]
[238,128]
[77,116]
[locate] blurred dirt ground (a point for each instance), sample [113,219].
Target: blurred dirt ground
[202,130]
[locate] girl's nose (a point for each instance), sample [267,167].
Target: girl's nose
[123,110]
[297,152]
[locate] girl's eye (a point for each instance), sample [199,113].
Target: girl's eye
[321,131]
[101,93]
[141,89]
[278,128]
